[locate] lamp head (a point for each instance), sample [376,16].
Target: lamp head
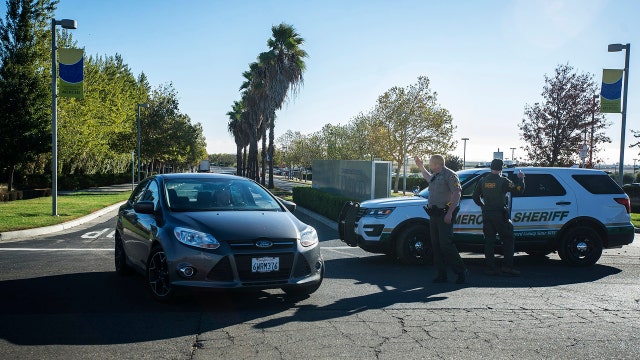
[67,23]
[144,105]
[615,47]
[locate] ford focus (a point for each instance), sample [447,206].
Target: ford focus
[214,231]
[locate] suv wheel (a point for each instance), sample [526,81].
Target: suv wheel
[580,246]
[414,246]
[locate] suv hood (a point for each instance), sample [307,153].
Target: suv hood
[394,201]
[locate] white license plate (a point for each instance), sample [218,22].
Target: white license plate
[265,264]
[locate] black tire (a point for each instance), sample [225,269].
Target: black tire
[580,246]
[158,276]
[304,290]
[413,245]
[120,258]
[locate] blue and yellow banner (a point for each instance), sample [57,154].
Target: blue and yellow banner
[71,72]
[611,91]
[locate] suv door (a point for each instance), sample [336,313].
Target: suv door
[539,213]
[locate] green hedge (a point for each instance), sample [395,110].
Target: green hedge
[411,182]
[11,195]
[79,182]
[318,201]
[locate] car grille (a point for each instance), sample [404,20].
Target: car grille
[243,262]
[278,244]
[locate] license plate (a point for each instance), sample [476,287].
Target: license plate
[265,264]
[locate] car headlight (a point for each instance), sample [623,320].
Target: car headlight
[196,238]
[308,237]
[379,213]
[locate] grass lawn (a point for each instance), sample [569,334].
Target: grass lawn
[635,219]
[33,213]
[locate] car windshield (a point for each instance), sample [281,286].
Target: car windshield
[218,195]
[465,176]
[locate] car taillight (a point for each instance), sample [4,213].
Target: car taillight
[625,202]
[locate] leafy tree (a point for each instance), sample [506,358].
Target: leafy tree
[412,122]
[25,98]
[555,129]
[453,162]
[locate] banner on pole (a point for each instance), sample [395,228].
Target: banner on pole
[71,72]
[611,91]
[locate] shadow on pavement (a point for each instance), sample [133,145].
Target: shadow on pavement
[103,308]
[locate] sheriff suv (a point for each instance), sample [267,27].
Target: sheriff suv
[575,212]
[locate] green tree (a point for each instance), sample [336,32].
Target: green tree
[413,122]
[25,98]
[555,129]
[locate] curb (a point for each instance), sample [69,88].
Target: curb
[24,234]
[326,221]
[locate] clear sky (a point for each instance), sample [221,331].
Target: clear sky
[485,59]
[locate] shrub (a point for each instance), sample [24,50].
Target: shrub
[318,201]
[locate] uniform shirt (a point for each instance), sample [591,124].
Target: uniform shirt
[441,186]
[493,189]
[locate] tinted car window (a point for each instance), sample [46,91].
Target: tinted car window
[218,195]
[598,184]
[151,194]
[541,185]
[139,191]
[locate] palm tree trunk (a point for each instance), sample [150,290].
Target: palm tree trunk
[264,153]
[271,150]
[239,160]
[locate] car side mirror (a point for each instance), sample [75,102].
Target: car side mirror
[145,207]
[290,205]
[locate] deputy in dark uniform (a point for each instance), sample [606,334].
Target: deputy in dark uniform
[490,194]
[444,199]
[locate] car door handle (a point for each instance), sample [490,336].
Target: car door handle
[563,203]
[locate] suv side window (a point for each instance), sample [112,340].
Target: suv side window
[537,185]
[598,184]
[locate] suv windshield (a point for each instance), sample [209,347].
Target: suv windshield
[218,195]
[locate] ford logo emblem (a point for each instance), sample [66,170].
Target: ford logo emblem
[264,243]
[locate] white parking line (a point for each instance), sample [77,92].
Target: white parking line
[61,249]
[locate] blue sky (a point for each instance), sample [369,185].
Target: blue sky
[485,59]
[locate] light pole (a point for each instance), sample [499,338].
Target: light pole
[67,24]
[616,48]
[144,105]
[464,153]
[512,154]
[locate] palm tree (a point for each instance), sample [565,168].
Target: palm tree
[284,66]
[235,128]
[253,95]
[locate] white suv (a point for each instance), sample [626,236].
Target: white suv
[576,212]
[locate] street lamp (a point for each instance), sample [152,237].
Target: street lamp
[512,154]
[144,105]
[67,24]
[616,48]
[464,153]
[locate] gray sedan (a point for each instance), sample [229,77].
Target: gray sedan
[215,231]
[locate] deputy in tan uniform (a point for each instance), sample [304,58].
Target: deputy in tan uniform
[444,201]
[490,194]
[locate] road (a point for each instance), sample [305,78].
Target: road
[59,298]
